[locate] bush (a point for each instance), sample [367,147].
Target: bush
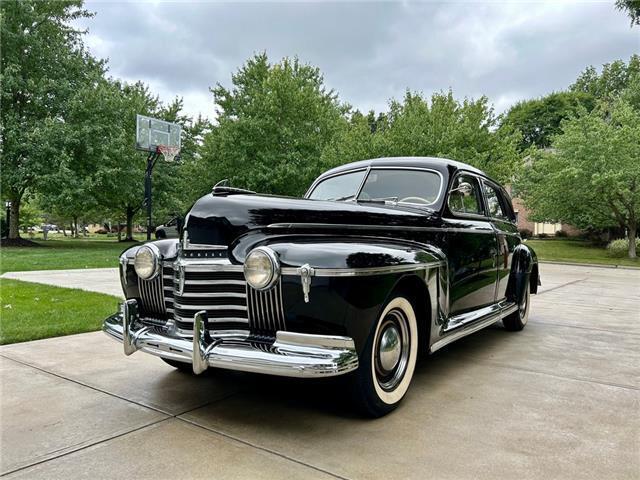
[526,233]
[543,235]
[561,234]
[620,247]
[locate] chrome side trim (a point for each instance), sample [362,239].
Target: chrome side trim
[291,355]
[328,226]
[474,322]
[358,272]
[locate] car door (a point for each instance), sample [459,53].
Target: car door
[500,212]
[472,246]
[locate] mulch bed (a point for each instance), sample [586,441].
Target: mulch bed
[19,242]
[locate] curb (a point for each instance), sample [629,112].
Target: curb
[596,265]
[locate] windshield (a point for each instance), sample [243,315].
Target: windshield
[340,187]
[420,187]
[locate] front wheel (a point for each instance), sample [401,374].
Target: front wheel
[388,360]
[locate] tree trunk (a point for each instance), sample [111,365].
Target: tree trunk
[130,214]
[75,228]
[14,221]
[631,235]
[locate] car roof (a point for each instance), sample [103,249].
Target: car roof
[442,165]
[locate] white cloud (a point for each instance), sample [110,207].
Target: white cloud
[369,52]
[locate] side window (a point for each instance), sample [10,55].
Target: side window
[464,196]
[494,202]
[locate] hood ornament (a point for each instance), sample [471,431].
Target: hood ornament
[306,272]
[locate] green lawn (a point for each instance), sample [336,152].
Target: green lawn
[63,254]
[577,251]
[30,311]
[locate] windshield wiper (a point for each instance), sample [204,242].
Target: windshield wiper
[384,200]
[341,199]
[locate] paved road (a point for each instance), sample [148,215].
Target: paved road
[101,280]
[560,400]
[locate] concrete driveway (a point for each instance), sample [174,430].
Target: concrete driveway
[559,400]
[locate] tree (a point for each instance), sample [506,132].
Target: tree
[445,127]
[592,177]
[615,79]
[632,7]
[539,119]
[43,64]
[272,126]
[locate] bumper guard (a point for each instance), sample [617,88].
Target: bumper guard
[291,355]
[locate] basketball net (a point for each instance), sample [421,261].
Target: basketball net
[168,152]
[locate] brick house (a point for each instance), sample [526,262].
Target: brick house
[537,228]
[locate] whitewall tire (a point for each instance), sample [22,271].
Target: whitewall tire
[388,360]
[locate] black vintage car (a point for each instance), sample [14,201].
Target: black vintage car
[382,259]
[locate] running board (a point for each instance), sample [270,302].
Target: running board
[462,325]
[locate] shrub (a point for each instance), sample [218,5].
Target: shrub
[543,235]
[620,247]
[526,233]
[561,234]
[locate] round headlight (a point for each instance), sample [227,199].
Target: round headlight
[147,262]
[261,268]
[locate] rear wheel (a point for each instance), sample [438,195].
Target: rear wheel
[182,366]
[388,360]
[517,320]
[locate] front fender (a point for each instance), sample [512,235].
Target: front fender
[352,280]
[168,249]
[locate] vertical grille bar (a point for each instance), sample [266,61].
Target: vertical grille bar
[266,310]
[152,294]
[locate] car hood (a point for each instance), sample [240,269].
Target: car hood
[221,219]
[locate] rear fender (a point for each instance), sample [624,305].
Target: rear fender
[524,270]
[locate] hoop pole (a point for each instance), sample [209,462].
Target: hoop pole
[151,161]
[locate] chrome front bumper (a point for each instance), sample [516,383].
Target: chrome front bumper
[291,355]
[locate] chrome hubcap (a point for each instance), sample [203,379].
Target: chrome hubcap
[392,350]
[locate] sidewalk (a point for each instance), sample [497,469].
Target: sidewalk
[101,280]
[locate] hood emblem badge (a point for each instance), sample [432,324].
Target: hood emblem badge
[306,272]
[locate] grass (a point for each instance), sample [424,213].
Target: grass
[576,251]
[63,254]
[31,311]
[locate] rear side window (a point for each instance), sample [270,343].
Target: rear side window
[494,202]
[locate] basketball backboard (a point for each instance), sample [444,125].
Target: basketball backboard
[152,133]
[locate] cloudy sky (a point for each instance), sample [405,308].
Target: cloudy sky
[369,52]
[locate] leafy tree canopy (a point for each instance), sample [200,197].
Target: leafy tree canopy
[273,124]
[632,7]
[614,80]
[43,64]
[591,178]
[539,119]
[440,126]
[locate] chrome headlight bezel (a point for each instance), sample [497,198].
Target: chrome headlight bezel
[154,256]
[271,274]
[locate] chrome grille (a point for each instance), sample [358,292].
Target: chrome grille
[152,295]
[218,288]
[265,310]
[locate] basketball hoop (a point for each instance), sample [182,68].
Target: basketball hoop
[169,152]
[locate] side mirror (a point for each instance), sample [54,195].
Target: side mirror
[464,188]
